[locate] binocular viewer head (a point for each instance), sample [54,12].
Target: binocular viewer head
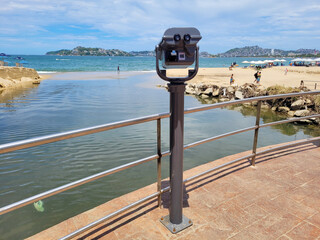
[178,49]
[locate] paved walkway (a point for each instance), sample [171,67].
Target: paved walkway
[277,199]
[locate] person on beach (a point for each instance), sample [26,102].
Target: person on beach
[286,71]
[259,77]
[255,77]
[231,79]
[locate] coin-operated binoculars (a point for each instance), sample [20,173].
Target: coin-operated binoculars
[177,49]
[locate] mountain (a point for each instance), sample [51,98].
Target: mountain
[83,51]
[143,53]
[256,51]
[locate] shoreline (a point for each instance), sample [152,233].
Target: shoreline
[270,76]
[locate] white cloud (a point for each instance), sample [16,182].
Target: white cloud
[227,21]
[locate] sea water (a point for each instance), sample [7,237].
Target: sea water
[58,105]
[45,63]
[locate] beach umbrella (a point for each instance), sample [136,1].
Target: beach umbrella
[308,60]
[260,62]
[245,62]
[283,60]
[253,62]
[317,59]
[277,60]
[297,60]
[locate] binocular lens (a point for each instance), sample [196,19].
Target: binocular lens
[187,37]
[177,37]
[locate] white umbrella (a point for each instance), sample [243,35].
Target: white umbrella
[268,60]
[317,59]
[245,62]
[260,62]
[253,62]
[277,60]
[283,60]
[297,60]
[308,60]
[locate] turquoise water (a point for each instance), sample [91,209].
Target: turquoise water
[93,63]
[59,105]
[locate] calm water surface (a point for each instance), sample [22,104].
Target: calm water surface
[61,105]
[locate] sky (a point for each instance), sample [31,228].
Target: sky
[39,26]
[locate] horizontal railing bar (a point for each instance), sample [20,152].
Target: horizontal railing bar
[114,214]
[261,98]
[111,215]
[288,120]
[74,184]
[217,168]
[218,137]
[302,142]
[101,220]
[10,147]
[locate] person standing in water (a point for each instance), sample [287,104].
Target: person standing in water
[118,69]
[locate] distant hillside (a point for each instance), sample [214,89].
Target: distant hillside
[83,51]
[143,53]
[256,51]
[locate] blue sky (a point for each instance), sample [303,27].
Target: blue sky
[38,26]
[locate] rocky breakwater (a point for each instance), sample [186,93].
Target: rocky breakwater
[17,76]
[293,107]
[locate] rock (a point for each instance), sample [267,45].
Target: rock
[274,108]
[301,113]
[299,104]
[231,89]
[291,113]
[265,106]
[283,109]
[223,99]
[260,88]
[215,93]
[204,96]
[238,95]
[208,91]
[190,90]
[305,121]
[248,92]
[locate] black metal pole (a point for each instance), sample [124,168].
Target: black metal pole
[176,149]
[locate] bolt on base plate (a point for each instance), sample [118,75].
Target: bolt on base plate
[175,228]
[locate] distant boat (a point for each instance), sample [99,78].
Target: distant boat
[19,58]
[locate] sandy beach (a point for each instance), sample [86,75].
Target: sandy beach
[270,76]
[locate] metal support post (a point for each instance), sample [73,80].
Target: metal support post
[256,132]
[175,221]
[159,160]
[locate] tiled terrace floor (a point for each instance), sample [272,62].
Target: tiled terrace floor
[277,199]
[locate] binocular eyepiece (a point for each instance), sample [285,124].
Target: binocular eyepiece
[178,49]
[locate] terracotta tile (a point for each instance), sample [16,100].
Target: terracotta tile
[207,232]
[315,219]
[298,209]
[304,231]
[283,237]
[269,201]
[311,201]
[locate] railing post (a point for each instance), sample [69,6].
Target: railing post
[159,160]
[256,132]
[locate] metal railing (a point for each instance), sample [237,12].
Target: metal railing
[10,147]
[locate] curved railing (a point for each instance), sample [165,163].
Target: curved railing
[10,147]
